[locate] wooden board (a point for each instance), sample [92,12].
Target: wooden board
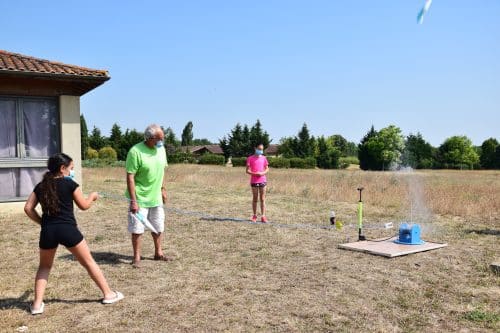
[388,248]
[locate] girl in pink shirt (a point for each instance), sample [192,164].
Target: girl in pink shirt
[257,168]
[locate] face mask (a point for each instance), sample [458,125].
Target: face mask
[259,152]
[71,175]
[159,144]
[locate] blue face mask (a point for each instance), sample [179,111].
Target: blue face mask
[259,152]
[159,144]
[71,175]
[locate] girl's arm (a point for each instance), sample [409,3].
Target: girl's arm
[81,202]
[261,173]
[29,208]
[249,172]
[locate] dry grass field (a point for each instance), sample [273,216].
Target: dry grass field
[259,278]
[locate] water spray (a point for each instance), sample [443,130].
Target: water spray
[361,237]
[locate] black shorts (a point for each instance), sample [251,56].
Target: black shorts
[258,184]
[65,234]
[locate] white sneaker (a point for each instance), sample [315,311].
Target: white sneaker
[37,311]
[119,296]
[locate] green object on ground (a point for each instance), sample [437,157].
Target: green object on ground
[360,215]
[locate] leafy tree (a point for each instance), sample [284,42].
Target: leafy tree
[366,156]
[345,147]
[418,153]
[497,157]
[393,143]
[224,145]
[115,141]
[130,138]
[246,146]
[351,150]
[187,134]
[84,137]
[92,153]
[381,150]
[242,140]
[302,145]
[287,146]
[258,136]
[232,145]
[170,138]
[305,143]
[327,155]
[339,142]
[107,153]
[457,152]
[488,152]
[201,142]
[96,140]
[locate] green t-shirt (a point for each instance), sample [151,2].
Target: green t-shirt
[148,166]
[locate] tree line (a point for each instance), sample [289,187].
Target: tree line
[121,141]
[384,149]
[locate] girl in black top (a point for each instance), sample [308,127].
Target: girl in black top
[56,193]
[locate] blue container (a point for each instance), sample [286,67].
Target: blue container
[409,234]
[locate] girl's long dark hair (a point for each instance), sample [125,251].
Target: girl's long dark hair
[49,199]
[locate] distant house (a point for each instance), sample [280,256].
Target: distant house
[272,150]
[40,113]
[200,150]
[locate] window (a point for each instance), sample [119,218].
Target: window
[29,134]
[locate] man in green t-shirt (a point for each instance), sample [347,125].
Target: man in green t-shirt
[146,163]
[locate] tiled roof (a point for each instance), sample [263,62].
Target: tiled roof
[18,63]
[214,149]
[272,149]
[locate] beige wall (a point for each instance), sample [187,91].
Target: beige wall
[70,131]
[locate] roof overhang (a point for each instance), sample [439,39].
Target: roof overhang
[47,84]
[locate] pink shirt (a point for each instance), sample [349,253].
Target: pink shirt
[257,164]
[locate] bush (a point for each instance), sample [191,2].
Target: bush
[92,153]
[279,163]
[303,163]
[181,157]
[344,162]
[107,153]
[425,163]
[239,161]
[98,163]
[211,159]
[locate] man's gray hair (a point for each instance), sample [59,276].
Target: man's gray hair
[150,131]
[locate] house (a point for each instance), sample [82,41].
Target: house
[200,150]
[40,113]
[272,150]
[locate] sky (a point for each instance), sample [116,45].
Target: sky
[338,66]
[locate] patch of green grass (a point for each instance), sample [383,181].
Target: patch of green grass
[98,238]
[480,316]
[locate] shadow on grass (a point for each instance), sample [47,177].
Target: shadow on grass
[19,302]
[104,258]
[23,303]
[492,232]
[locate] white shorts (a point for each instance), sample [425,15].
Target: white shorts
[155,215]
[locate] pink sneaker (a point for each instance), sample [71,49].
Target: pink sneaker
[263,219]
[254,218]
